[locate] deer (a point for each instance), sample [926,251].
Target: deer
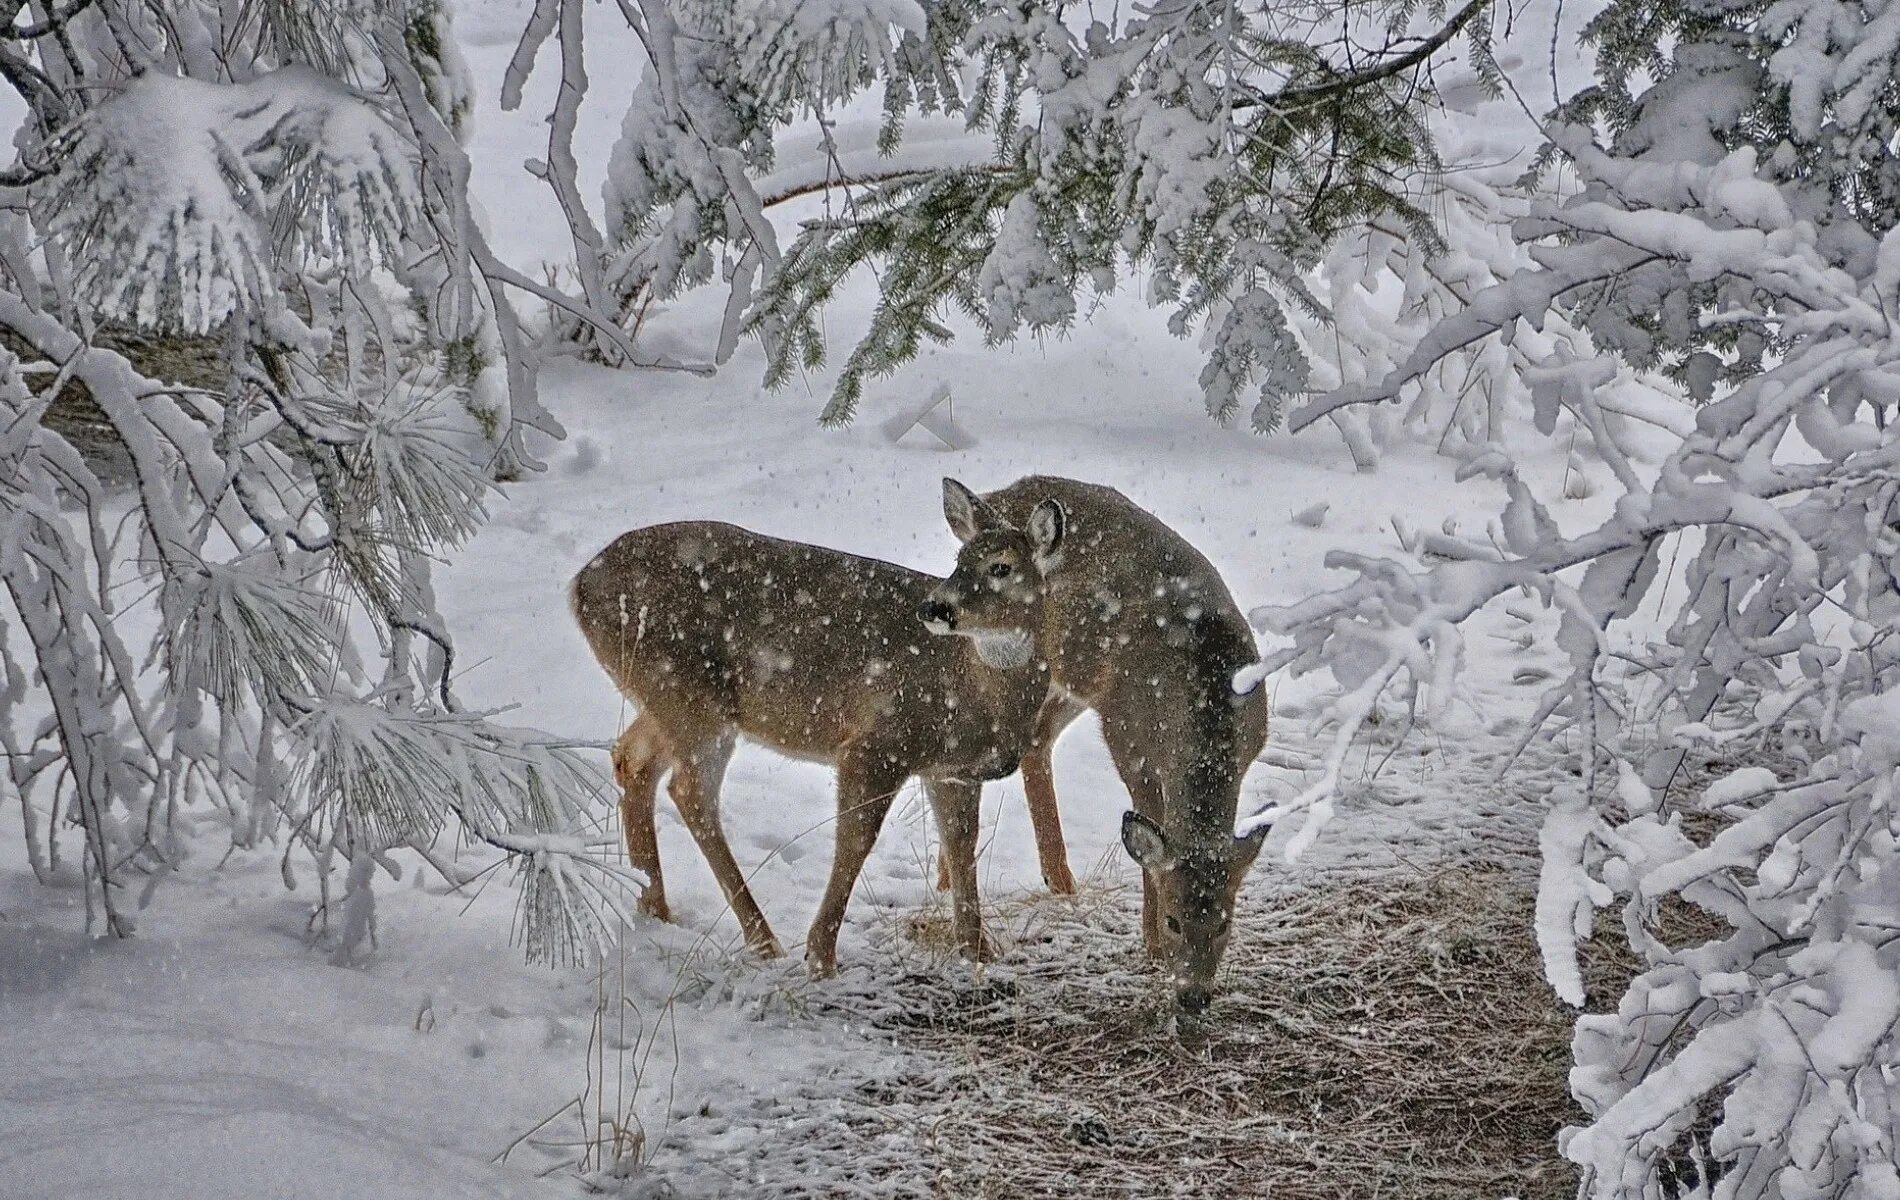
[1139,627]
[716,633]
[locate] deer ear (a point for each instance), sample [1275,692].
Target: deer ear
[1145,842]
[968,513]
[1246,850]
[1048,525]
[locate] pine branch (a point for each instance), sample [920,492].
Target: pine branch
[1358,80]
[53,24]
[869,179]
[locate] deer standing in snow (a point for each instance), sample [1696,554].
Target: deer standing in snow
[716,632]
[1138,626]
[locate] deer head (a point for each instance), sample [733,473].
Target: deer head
[1194,889]
[995,595]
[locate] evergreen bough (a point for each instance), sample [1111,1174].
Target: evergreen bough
[278,193]
[1221,147]
[1729,218]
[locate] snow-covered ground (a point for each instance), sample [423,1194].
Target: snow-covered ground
[220,1054]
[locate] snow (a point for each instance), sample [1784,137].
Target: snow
[1020,281]
[1743,784]
[1876,719]
[215,1055]
[1566,903]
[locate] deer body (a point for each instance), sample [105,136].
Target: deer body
[716,632]
[1139,627]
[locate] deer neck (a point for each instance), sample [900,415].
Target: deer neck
[1009,671]
[1005,651]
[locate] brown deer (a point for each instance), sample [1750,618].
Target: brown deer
[1138,626]
[716,632]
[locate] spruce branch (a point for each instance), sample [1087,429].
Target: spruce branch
[1371,76]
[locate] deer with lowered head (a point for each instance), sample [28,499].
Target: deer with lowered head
[717,633]
[1139,626]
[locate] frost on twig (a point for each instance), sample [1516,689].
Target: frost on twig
[1738,598]
[289,193]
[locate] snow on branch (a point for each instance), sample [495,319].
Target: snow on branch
[169,202]
[328,381]
[1755,1054]
[394,775]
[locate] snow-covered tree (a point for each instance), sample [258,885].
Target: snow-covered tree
[1220,147]
[721,80]
[1731,223]
[218,585]
[1385,289]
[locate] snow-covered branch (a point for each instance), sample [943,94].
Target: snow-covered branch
[280,206]
[1756,1060]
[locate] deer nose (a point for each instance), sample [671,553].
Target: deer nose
[936,612]
[1194,1001]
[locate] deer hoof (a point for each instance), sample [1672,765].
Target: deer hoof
[762,942]
[653,904]
[1060,883]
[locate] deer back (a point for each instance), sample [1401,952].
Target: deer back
[800,647]
[1134,608]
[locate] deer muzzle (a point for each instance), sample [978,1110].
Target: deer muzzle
[1194,1001]
[937,614]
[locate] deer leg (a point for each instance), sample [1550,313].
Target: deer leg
[1039,785]
[1052,851]
[958,805]
[695,789]
[640,758]
[867,783]
[1150,919]
[1150,800]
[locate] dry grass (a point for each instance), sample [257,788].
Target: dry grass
[1388,1037]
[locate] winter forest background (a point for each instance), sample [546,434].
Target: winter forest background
[1546,358]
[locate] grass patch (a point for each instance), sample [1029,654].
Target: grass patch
[1389,1037]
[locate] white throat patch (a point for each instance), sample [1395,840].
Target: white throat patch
[1004,651]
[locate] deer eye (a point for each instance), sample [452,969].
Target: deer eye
[1221,929]
[999,570]
[1174,924]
